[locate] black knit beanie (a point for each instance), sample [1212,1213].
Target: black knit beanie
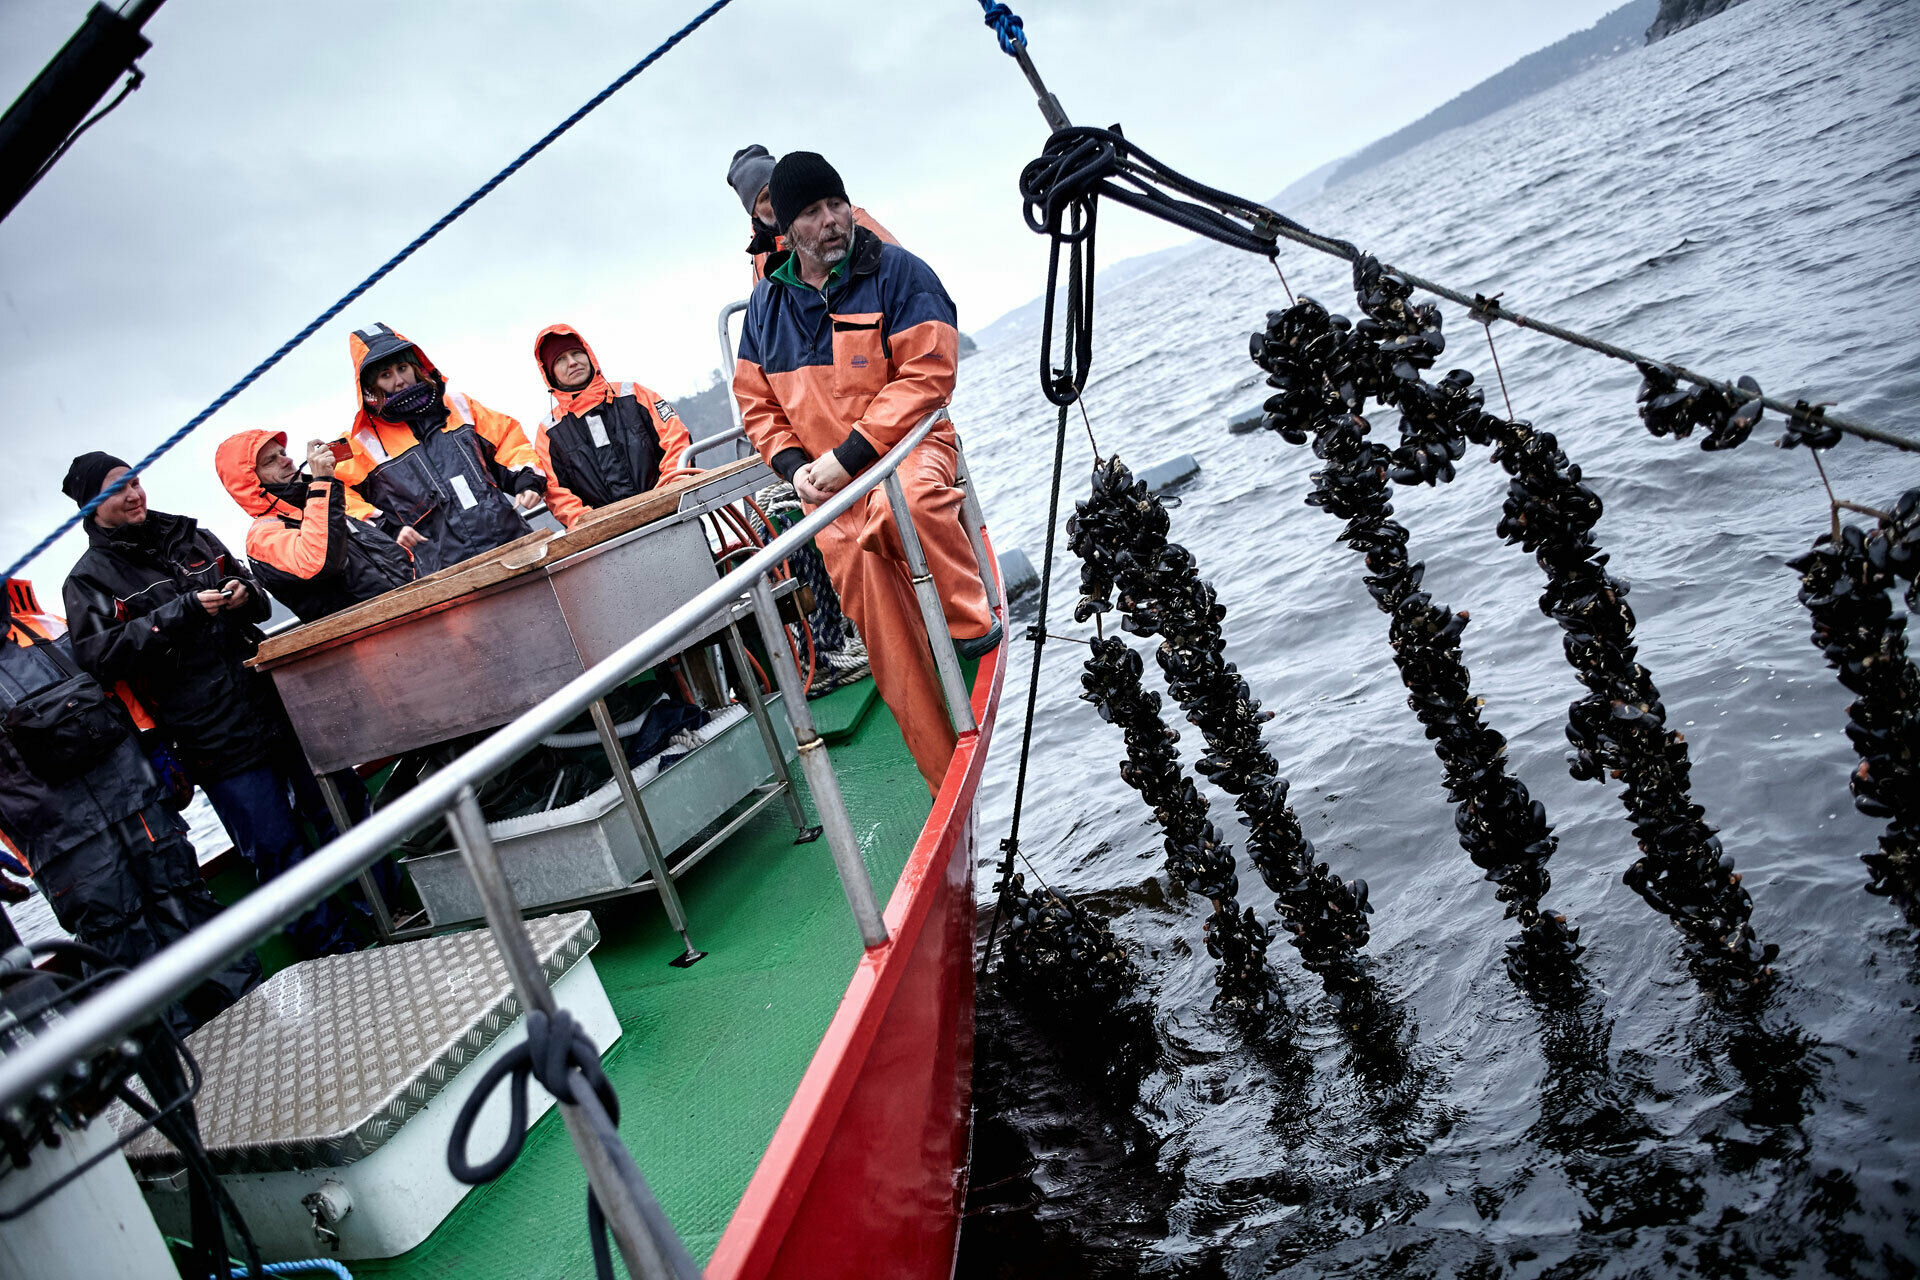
[87,476]
[801,178]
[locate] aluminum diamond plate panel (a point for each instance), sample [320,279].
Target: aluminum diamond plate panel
[326,1060]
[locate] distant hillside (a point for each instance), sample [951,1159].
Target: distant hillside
[706,412]
[1678,15]
[1620,31]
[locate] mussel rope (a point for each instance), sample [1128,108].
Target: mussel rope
[313,326]
[1010,847]
[1079,164]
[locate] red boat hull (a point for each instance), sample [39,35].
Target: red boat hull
[867,1171]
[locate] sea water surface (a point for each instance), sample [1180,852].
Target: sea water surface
[1743,197]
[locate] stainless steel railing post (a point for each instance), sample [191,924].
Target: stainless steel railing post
[854,880]
[337,806]
[640,1246]
[649,845]
[945,660]
[975,521]
[750,690]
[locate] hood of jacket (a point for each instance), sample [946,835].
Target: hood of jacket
[565,402]
[372,345]
[237,462]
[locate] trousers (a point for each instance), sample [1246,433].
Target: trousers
[262,810]
[868,565]
[135,888]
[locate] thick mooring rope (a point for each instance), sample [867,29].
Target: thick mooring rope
[1080,164]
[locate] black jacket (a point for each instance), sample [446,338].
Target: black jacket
[41,819]
[132,615]
[630,462]
[362,561]
[453,489]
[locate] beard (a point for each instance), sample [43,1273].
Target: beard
[831,255]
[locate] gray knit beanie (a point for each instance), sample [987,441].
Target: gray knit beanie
[752,169]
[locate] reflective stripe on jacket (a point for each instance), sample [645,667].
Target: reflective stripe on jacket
[40,820]
[851,370]
[451,481]
[605,441]
[314,558]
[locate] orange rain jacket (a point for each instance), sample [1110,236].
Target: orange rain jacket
[457,489]
[852,369]
[606,441]
[861,218]
[314,558]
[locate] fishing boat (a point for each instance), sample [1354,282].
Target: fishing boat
[791,1093]
[796,1091]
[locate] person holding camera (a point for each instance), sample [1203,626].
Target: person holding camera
[160,603]
[82,808]
[305,549]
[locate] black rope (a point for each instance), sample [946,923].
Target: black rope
[555,1049]
[1080,164]
[1063,385]
[1010,847]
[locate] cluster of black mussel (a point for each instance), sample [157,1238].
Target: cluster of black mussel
[1120,534]
[1846,583]
[1060,955]
[1728,414]
[1324,369]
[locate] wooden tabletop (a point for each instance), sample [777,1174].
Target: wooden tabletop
[515,559]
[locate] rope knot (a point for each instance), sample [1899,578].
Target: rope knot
[1006,24]
[556,1045]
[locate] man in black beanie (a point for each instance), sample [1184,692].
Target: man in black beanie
[821,415]
[749,173]
[160,603]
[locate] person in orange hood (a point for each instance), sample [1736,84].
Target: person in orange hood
[748,174]
[444,471]
[604,441]
[305,549]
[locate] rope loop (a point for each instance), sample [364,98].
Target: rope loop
[1006,24]
[556,1046]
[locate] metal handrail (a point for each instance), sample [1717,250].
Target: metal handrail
[178,968]
[739,429]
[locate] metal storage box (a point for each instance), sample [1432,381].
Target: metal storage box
[590,846]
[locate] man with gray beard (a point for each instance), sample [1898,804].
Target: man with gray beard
[849,342]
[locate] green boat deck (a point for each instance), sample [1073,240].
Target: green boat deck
[709,1056]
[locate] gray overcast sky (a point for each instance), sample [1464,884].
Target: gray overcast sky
[278,152]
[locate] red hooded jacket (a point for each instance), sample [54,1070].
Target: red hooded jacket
[605,441]
[314,558]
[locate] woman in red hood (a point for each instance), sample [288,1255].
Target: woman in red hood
[306,550]
[604,441]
